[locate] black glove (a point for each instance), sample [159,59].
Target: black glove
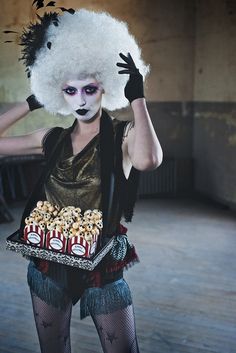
[33,103]
[134,86]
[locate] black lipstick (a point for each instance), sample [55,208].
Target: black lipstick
[81,111]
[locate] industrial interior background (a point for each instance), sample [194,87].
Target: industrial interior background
[191,96]
[191,91]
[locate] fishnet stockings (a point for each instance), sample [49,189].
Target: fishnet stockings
[53,326]
[117,331]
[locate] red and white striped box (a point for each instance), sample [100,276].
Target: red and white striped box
[34,235]
[56,241]
[79,246]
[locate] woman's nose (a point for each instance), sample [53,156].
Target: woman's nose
[81,99]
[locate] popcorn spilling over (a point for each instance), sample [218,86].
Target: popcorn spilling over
[71,222]
[60,226]
[42,214]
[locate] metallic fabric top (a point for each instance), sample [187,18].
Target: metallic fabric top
[75,180]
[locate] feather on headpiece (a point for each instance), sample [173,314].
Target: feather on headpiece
[33,38]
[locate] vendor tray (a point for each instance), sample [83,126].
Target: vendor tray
[13,243]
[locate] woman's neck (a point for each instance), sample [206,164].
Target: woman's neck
[90,127]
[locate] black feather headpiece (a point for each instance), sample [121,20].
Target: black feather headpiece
[33,38]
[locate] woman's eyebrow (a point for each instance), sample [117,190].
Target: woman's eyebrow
[68,86]
[92,84]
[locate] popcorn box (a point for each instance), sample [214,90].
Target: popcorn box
[56,241]
[77,245]
[34,235]
[14,243]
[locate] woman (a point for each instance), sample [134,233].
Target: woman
[72,64]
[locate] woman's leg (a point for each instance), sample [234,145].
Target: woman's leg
[53,326]
[117,331]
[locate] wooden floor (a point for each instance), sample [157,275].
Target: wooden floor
[184,288]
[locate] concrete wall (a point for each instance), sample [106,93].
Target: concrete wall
[190,45]
[214,144]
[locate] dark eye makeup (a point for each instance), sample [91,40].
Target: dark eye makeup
[90,89]
[70,90]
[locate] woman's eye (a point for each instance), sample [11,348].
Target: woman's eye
[70,90]
[91,89]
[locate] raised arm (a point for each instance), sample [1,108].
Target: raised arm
[141,143]
[26,144]
[141,147]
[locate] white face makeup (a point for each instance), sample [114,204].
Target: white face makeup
[84,97]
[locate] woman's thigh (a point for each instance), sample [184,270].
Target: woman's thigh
[117,331]
[53,326]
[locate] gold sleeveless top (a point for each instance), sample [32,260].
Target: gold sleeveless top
[76,181]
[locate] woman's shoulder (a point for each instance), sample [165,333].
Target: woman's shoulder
[121,127]
[50,138]
[119,124]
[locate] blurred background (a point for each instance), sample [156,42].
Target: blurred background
[186,207]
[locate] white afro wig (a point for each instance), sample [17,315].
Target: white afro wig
[80,45]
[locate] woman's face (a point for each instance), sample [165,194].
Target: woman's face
[84,97]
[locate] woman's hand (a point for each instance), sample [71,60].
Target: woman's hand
[33,103]
[134,86]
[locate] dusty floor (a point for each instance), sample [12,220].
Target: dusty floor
[184,288]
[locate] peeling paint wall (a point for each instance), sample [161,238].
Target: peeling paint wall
[215,150]
[215,51]
[191,92]
[214,144]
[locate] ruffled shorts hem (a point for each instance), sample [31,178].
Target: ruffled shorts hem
[107,299]
[94,301]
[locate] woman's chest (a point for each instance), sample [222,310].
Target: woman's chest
[78,143]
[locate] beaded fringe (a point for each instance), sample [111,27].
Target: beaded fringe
[112,297]
[130,260]
[45,288]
